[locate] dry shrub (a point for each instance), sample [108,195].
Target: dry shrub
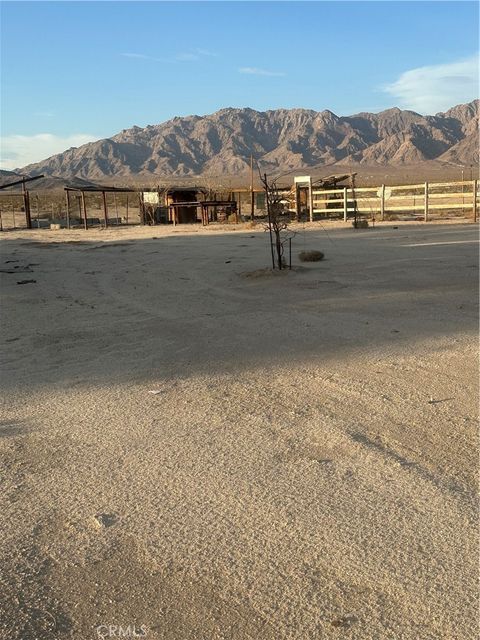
[310,256]
[360,224]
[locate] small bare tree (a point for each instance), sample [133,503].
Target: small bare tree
[277,222]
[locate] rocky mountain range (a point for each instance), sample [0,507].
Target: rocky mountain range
[220,144]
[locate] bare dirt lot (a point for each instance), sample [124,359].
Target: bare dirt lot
[192,452]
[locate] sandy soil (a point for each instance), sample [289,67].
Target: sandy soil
[305,468]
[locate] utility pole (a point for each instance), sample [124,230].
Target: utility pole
[252,195]
[310,198]
[267,202]
[26,206]
[354,198]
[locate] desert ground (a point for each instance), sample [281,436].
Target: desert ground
[196,448]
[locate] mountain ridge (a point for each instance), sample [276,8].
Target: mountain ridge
[220,143]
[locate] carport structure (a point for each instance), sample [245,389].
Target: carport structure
[83,208]
[25,195]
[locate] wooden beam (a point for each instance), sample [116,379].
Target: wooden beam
[26,206]
[457,194]
[22,181]
[252,194]
[474,203]
[141,208]
[448,184]
[407,186]
[297,203]
[310,198]
[425,215]
[84,209]
[116,206]
[450,206]
[105,209]
[406,207]
[67,204]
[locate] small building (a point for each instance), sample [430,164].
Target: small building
[324,195]
[185,205]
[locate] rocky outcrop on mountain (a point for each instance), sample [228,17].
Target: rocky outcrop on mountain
[281,140]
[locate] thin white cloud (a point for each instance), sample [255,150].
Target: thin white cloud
[184,56]
[136,55]
[255,71]
[142,56]
[18,151]
[44,114]
[435,88]
[195,54]
[206,52]
[187,57]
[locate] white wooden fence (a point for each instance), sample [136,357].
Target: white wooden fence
[418,199]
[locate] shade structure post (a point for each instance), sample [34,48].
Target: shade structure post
[425,213]
[26,206]
[84,210]
[475,186]
[116,207]
[252,194]
[105,209]
[310,198]
[67,204]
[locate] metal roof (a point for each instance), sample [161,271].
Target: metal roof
[99,189]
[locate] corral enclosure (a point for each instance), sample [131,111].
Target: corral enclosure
[427,201]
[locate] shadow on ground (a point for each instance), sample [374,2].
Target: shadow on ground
[181,305]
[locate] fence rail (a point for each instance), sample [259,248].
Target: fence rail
[422,200]
[424,197]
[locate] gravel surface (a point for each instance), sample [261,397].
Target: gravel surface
[194,447]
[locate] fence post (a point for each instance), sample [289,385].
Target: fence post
[67,204]
[84,209]
[105,209]
[426,202]
[475,200]
[345,204]
[297,203]
[382,204]
[310,198]
[116,206]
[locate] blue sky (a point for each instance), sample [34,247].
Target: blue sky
[78,71]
